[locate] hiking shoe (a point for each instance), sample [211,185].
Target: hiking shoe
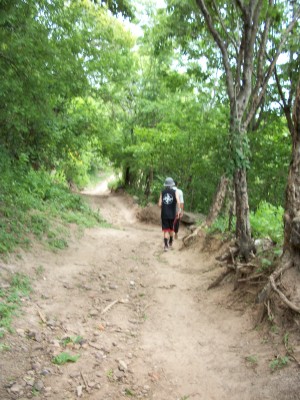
[176,235]
[165,248]
[171,246]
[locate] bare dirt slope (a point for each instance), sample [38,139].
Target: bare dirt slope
[141,320]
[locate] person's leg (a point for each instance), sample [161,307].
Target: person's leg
[165,230]
[171,233]
[176,227]
[166,239]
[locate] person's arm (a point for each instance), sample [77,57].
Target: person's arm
[179,204]
[160,201]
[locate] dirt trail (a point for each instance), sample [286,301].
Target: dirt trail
[148,327]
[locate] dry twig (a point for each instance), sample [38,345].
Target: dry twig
[85,382]
[109,306]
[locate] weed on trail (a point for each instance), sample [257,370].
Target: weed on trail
[278,363]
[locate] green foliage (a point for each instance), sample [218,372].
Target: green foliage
[11,300]
[267,221]
[265,265]
[62,66]
[64,357]
[271,151]
[221,225]
[33,204]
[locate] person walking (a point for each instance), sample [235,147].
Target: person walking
[168,201]
[179,206]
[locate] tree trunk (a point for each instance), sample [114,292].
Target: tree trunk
[218,201]
[243,229]
[292,204]
[240,151]
[127,177]
[149,181]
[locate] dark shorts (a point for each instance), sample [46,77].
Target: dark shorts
[176,224]
[167,225]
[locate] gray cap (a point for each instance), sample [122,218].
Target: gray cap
[169,182]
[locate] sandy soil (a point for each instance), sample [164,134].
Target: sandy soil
[146,323]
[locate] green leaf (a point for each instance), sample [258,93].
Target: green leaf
[63,358]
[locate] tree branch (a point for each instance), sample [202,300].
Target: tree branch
[220,19]
[229,79]
[257,100]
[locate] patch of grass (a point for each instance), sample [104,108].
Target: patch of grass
[129,392]
[35,392]
[287,344]
[278,363]
[11,300]
[39,225]
[4,347]
[145,317]
[39,271]
[72,340]
[33,204]
[274,328]
[64,357]
[252,359]
[57,243]
[110,373]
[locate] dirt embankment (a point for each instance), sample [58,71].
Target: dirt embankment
[141,321]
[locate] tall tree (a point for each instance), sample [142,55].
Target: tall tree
[292,206]
[244,32]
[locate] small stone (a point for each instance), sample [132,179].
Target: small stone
[118,375]
[112,286]
[39,385]
[75,375]
[21,332]
[16,389]
[79,391]
[122,366]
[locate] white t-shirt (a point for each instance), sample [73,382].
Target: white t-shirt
[180,194]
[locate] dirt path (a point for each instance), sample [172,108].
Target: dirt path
[147,326]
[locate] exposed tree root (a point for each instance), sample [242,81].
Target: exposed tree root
[188,240]
[243,274]
[219,279]
[282,296]
[265,293]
